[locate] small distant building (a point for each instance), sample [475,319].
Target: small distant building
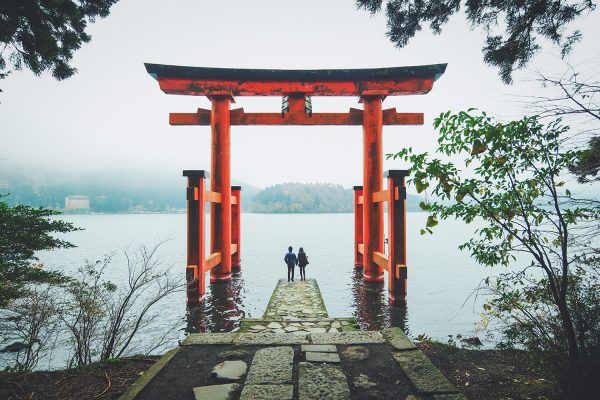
[75,203]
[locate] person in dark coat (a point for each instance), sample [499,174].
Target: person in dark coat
[291,261]
[302,263]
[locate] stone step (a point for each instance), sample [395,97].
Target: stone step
[272,366]
[270,375]
[313,356]
[216,392]
[267,392]
[321,348]
[322,382]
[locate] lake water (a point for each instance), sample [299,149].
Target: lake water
[441,278]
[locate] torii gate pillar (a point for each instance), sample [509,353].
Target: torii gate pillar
[297,86]
[372,183]
[220,170]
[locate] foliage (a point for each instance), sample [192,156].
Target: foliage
[42,35]
[530,221]
[303,198]
[23,231]
[104,318]
[310,198]
[513,28]
[28,328]
[588,167]
[82,313]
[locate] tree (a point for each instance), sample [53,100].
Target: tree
[42,35]
[104,319]
[529,221]
[23,231]
[28,328]
[576,97]
[508,48]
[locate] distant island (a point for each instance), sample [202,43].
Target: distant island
[139,193]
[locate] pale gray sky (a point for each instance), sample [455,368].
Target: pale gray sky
[111,115]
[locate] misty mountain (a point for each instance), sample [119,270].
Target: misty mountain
[135,191]
[109,192]
[311,198]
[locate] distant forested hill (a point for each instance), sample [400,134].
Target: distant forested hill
[303,198]
[139,192]
[311,198]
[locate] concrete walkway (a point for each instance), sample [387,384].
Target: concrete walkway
[295,352]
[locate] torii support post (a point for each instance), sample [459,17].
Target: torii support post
[220,168]
[358,226]
[397,234]
[195,235]
[236,213]
[372,183]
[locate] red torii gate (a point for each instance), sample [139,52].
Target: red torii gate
[221,85]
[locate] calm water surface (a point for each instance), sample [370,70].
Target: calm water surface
[440,277]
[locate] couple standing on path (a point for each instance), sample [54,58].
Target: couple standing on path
[291,260]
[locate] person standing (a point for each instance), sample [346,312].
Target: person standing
[291,260]
[302,263]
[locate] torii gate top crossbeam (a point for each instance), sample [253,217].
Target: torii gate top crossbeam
[202,81]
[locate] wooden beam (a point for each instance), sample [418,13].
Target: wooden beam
[192,267]
[401,271]
[208,87]
[378,197]
[361,248]
[212,261]
[381,260]
[239,117]
[212,197]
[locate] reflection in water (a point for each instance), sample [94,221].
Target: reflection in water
[372,309]
[221,310]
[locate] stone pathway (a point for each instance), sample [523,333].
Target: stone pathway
[305,355]
[297,308]
[298,300]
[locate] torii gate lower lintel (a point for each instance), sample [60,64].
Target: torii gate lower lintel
[222,85]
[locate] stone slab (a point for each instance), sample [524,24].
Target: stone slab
[209,338]
[322,382]
[257,327]
[313,356]
[398,339]
[322,348]
[358,337]
[422,373]
[268,392]
[269,339]
[216,392]
[272,366]
[229,370]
